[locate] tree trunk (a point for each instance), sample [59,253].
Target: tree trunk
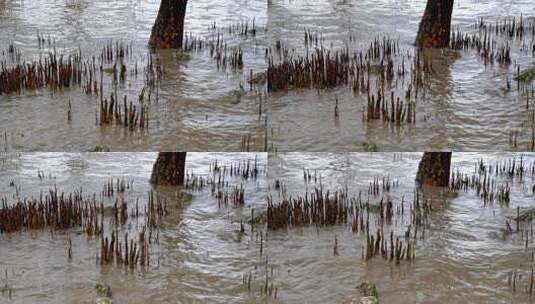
[169,169]
[168,29]
[434,169]
[435,26]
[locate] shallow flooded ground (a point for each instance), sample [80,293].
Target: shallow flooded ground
[196,254]
[466,246]
[466,98]
[193,102]
[465,103]
[461,254]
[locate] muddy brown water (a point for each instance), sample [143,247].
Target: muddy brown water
[201,257]
[466,107]
[459,261]
[200,107]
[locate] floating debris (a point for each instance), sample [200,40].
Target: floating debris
[104,293]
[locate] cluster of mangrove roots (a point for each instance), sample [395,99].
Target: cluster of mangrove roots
[521,281]
[234,196]
[515,27]
[225,56]
[325,68]
[378,245]
[54,211]
[319,209]
[265,282]
[119,186]
[54,71]
[245,169]
[381,185]
[128,115]
[242,28]
[484,179]
[486,46]
[62,71]
[485,186]
[129,253]
[220,188]
[396,111]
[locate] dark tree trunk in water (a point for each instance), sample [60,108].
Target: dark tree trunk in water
[168,29]
[169,169]
[434,169]
[435,26]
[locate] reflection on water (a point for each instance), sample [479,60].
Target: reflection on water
[207,252]
[200,106]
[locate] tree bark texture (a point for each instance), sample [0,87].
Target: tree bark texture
[435,26]
[434,169]
[169,169]
[168,29]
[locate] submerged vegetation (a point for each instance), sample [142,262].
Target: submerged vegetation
[274,228]
[376,223]
[391,82]
[114,64]
[116,69]
[127,232]
[398,231]
[394,84]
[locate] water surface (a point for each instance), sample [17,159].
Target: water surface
[467,106]
[200,107]
[202,257]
